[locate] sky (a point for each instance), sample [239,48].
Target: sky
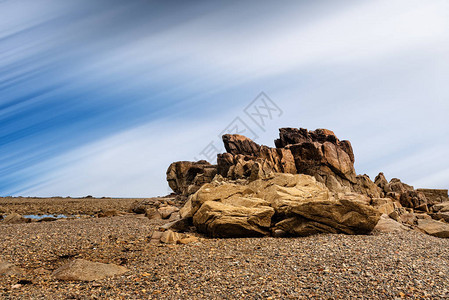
[99,97]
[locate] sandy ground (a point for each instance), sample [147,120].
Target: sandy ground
[382,266]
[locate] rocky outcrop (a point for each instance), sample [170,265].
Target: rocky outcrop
[297,205]
[319,153]
[434,196]
[237,203]
[414,199]
[185,177]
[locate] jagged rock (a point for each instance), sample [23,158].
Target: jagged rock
[414,199]
[384,205]
[367,187]
[298,204]
[15,219]
[434,196]
[316,153]
[387,225]
[435,228]
[244,155]
[383,184]
[84,270]
[239,144]
[396,186]
[253,183]
[441,207]
[185,177]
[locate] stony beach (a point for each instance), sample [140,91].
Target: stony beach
[407,265]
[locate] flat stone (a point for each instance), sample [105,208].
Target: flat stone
[84,270]
[9,269]
[434,228]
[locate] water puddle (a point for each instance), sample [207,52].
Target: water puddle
[40,217]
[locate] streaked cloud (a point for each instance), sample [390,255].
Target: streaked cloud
[98,98]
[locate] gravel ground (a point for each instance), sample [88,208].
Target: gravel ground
[66,206]
[382,266]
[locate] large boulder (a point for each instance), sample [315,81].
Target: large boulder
[295,204]
[226,220]
[330,216]
[185,177]
[388,225]
[435,228]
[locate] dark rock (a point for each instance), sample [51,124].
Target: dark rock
[185,177]
[434,196]
[414,199]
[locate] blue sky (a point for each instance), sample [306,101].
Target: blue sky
[99,97]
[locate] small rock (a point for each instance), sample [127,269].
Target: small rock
[170,237]
[188,239]
[9,269]
[167,211]
[153,214]
[15,219]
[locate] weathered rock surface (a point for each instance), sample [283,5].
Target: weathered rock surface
[15,219]
[387,225]
[434,196]
[186,177]
[414,199]
[9,269]
[233,199]
[295,204]
[435,228]
[166,211]
[84,270]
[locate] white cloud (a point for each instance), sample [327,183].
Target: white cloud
[352,98]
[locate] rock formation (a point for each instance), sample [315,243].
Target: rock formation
[255,190]
[186,177]
[296,205]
